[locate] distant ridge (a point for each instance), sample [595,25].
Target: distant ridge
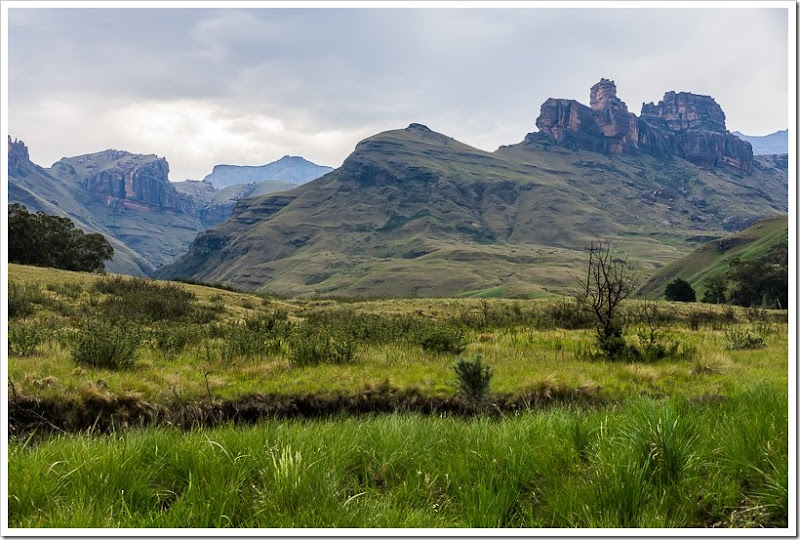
[291,169]
[774,143]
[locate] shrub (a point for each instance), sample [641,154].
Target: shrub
[442,338]
[312,345]
[143,299]
[472,378]
[744,339]
[569,314]
[23,339]
[173,338]
[104,345]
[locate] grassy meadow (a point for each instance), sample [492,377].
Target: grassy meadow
[150,404]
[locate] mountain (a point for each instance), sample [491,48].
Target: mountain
[774,143]
[290,169]
[125,197]
[713,258]
[216,205]
[412,212]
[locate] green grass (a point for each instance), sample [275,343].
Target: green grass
[650,463]
[695,441]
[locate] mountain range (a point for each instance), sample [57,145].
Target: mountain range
[129,199]
[412,212]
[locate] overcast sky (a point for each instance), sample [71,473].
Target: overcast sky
[247,86]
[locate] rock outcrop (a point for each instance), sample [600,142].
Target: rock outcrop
[17,153]
[127,181]
[682,124]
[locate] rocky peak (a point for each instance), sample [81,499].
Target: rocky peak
[685,125]
[132,181]
[682,111]
[17,153]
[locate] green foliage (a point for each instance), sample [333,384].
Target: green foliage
[21,299]
[763,281]
[569,314]
[25,338]
[473,376]
[441,338]
[105,345]
[42,240]
[679,290]
[311,345]
[258,336]
[744,339]
[144,300]
[716,290]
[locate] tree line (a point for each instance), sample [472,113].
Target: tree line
[759,282]
[39,239]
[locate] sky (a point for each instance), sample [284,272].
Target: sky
[246,86]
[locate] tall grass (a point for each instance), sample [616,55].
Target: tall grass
[672,463]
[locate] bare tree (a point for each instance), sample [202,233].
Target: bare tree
[608,282]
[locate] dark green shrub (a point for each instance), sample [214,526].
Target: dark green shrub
[473,377]
[107,346]
[312,345]
[441,338]
[24,339]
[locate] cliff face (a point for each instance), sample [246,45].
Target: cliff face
[682,124]
[127,181]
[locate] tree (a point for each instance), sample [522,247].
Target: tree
[608,282]
[42,240]
[716,288]
[679,290]
[763,281]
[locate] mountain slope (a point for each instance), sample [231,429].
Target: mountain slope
[713,258]
[413,213]
[290,169]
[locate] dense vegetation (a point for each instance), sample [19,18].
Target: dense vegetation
[507,412]
[42,240]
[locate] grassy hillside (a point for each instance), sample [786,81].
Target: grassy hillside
[412,212]
[713,258]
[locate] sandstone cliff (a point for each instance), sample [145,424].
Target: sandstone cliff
[123,180]
[682,124]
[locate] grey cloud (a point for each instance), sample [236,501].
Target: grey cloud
[482,73]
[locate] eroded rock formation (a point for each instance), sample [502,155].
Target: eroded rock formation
[682,124]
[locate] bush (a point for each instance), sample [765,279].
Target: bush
[744,339]
[143,299]
[569,314]
[312,345]
[106,346]
[442,338]
[23,339]
[472,378]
